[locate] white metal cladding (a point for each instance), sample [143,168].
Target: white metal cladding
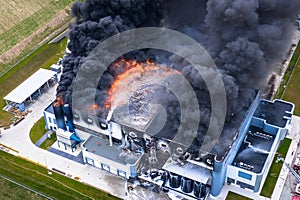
[29,86]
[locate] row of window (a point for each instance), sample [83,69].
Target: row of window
[50,120]
[241,184]
[105,167]
[53,128]
[90,121]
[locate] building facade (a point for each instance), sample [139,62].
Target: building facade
[128,153]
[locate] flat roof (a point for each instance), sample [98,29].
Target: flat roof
[275,112]
[250,157]
[100,147]
[29,86]
[254,150]
[136,119]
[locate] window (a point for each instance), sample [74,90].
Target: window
[105,167]
[90,121]
[76,116]
[103,125]
[90,161]
[122,173]
[244,185]
[230,180]
[49,118]
[245,175]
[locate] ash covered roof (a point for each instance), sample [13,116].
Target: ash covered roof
[254,150]
[101,147]
[276,112]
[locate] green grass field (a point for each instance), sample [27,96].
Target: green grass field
[291,93]
[54,185]
[42,58]
[9,190]
[288,72]
[39,13]
[275,168]
[31,20]
[234,196]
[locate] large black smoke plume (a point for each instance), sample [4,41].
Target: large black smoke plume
[95,22]
[244,37]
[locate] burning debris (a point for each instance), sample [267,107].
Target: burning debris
[243,37]
[135,75]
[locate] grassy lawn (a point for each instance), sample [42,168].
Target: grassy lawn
[38,130]
[275,168]
[42,58]
[288,73]
[9,190]
[37,178]
[234,196]
[48,142]
[292,92]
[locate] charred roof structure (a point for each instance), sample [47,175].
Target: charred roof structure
[277,112]
[134,154]
[254,150]
[257,147]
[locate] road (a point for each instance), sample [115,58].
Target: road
[290,181]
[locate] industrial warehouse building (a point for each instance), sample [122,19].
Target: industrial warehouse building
[27,92]
[268,126]
[116,148]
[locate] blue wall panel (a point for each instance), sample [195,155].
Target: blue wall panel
[245,175]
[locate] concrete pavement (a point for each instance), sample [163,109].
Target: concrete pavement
[17,137]
[289,184]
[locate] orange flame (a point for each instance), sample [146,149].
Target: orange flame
[59,101]
[91,108]
[133,68]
